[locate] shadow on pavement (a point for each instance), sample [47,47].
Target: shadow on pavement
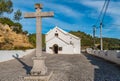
[25,66]
[104,70]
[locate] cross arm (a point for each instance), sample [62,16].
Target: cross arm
[29,15]
[47,14]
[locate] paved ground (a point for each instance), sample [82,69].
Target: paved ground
[66,68]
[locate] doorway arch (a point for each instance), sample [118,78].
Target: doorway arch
[55,48]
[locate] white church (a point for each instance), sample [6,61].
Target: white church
[59,41]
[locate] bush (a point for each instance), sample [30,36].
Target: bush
[17,27]
[22,48]
[6,21]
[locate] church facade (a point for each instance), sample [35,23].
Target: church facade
[59,41]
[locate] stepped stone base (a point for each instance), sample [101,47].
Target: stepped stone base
[39,67]
[39,78]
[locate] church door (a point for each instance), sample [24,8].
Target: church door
[55,48]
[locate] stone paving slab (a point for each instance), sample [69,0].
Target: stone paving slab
[65,68]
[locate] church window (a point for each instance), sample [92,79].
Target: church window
[60,48]
[56,34]
[50,47]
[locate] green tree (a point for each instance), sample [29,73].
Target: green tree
[32,39]
[8,21]
[25,32]
[17,28]
[17,15]
[6,6]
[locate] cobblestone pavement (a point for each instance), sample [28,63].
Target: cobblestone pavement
[65,68]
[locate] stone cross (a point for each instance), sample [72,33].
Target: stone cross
[38,61]
[39,15]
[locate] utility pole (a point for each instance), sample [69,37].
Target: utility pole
[94,31]
[101,40]
[101,18]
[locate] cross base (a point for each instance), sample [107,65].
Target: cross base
[39,67]
[38,78]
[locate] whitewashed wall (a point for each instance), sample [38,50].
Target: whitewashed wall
[66,48]
[110,55]
[6,55]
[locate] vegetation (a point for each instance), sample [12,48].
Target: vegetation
[6,6]
[7,41]
[17,27]
[32,39]
[17,15]
[111,43]
[87,41]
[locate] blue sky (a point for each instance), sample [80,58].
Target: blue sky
[72,15]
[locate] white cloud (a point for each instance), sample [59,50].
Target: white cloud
[94,4]
[113,9]
[63,9]
[66,26]
[56,8]
[57,22]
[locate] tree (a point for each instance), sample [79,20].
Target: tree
[25,32]
[32,39]
[17,28]
[9,6]
[17,15]
[6,6]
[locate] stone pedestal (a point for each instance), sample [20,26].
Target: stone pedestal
[39,67]
[45,77]
[39,71]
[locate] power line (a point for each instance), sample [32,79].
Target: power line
[100,19]
[101,24]
[101,13]
[105,10]
[94,26]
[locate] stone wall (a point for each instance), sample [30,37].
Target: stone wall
[110,55]
[6,55]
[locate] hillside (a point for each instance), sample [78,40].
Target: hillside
[9,39]
[32,39]
[87,41]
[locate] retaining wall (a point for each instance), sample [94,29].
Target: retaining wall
[110,55]
[6,55]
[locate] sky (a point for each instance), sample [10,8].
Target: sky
[72,15]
